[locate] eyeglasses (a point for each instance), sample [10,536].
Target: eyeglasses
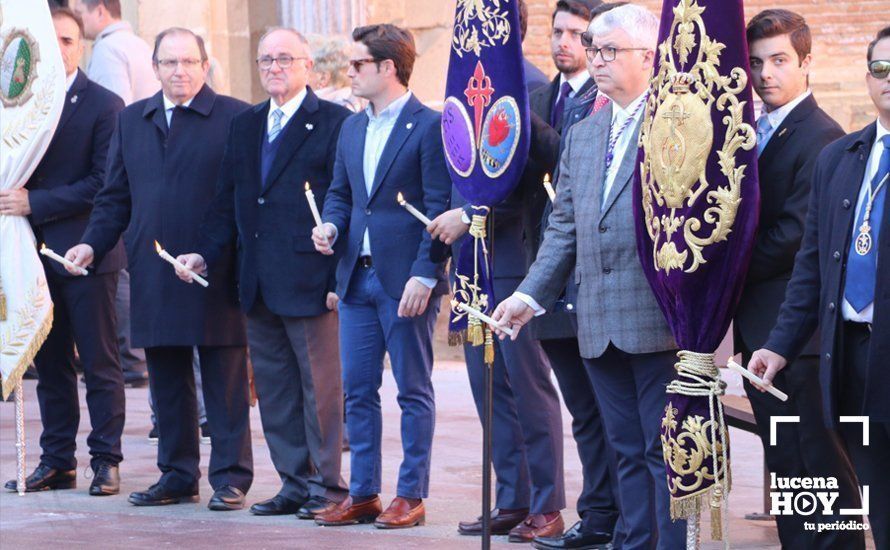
[879,68]
[284,61]
[357,63]
[170,64]
[608,53]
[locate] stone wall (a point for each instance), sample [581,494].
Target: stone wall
[841,31]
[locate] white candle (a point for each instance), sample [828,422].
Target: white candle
[482,317]
[549,188]
[165,256]
[48,252]
[310,198]
[413,211]
[757,380]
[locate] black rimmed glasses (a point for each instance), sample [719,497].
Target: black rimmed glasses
[170,64]
[879,68]
[608,53]
[284,61]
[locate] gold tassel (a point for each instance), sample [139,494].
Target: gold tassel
[489,347]
[2,306]
[717,513]
[475,333]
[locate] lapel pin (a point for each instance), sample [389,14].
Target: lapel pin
[309,126]
[74,99]
[409,125]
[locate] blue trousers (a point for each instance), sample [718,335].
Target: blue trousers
[630,390]
[369,328]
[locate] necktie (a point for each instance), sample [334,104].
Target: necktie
[764,131]
[559,106]
[276,124]
[859,288]
[598,103]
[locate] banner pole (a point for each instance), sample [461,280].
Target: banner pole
[486,459]
[20,437]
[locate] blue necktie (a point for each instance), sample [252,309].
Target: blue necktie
[859,288]
[764,131]
[276,124]
[560,105]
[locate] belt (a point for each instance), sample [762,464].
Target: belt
[365,261]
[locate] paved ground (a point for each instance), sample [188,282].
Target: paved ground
[74,519]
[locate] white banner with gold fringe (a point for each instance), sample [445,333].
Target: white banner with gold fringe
[32,94]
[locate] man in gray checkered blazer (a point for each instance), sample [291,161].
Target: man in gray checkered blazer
[625,341]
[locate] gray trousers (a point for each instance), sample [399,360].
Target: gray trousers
[296,368]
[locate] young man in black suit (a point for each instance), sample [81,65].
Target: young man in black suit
[57,200]
[841,284]
[791,131]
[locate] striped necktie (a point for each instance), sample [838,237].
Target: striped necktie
[276,124]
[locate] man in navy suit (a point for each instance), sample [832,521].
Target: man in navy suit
[286,287]
[841,284]
[387,283]
[58,199]
[164,161]
[792,130]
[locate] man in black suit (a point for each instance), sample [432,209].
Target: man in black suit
[286,287]
[58,199]
[841,283]
[164,161]
[791,131]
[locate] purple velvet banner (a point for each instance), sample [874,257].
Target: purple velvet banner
[485,129]
[696,203]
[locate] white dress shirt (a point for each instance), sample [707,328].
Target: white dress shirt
[69,80]
[121,62]
[576,82]
[287,110]
[169,106]
[877,149]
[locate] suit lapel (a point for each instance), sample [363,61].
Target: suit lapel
[357,160]
[625,171]
[255,135]
[405,124]
[295,133]
[589,177]
[73,98]
[785,130]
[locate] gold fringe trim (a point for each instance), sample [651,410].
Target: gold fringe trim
[27,356]
[489,347]
[457,338]
[2,305]
[683,508]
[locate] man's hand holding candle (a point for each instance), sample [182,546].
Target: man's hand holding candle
[194,262]
[512,313]
[449,226]
[766,364]
[323,238]
[81,255]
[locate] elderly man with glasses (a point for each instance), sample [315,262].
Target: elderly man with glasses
[163,163]
[286,287]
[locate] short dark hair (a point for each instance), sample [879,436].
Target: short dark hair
[387,41]
[882,34]
[69,13]
[177,30]
[113,6]
[770,23]
[578,8]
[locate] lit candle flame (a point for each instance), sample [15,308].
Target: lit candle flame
[400,198]
[307,187]
[158,247]
[546,178]
[42,246]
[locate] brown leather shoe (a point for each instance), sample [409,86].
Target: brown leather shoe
[400,515]
[501,522]
[347,513]
[536,525]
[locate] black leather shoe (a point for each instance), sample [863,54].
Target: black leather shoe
[46,478]
[314,506]
[576,539]
[106,480]
[158,495]
[275,506]
[226,498]
[501,522]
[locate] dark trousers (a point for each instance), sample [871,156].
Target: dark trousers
[132,359]
[630,390]
[83,315]
[296,369]
[370,327]
[224,373]
[872,461]
[596,503]
[526,421]
[805,449]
